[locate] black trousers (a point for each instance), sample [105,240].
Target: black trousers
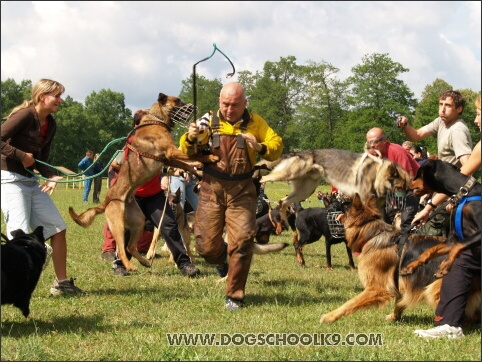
[455,288]
[153,207]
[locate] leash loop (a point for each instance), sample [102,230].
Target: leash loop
[194,75]
[80,173]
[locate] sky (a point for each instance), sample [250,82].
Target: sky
[144,48]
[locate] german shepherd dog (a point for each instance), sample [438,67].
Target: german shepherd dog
[23,259]
[349,172]
[379,261]
[313,223]
[151,148]
[443,177]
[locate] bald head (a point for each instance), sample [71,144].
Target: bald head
[233,89]
[376,139]
[375,133]
[232,102]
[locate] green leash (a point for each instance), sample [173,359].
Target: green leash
[83,172]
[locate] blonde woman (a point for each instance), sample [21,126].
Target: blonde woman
[27,135]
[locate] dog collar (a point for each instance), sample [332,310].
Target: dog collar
[464,190]
[458,214]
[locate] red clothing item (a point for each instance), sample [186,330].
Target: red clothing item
[150,188]
[396,153]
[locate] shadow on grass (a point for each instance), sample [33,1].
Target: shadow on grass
[64,325]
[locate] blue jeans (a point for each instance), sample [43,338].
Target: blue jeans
[87,186]
[187,190]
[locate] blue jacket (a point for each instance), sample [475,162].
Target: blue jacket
[84,165]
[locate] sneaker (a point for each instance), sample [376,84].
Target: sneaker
[120,271]
[65,287]
[86,202]
[232,304]
[441,331]
[108,255]
[190,270]
[222,269]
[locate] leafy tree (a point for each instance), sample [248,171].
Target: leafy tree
[323,106]
[67,144]
[377,96]
[275,93]
[107,120]
[13,94]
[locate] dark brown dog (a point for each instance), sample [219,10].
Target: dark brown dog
[443,177]
[151,148]
[378,263]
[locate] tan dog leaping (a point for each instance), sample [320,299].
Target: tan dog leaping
[151,147]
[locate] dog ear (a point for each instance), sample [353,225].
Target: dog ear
[357,203]
[162,98]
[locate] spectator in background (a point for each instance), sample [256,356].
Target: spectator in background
[84,165]
[419,153]
[407,145]
[180,179]
[98,167]
[408,205]
[454,145]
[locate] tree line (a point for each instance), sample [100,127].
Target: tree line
[309,105]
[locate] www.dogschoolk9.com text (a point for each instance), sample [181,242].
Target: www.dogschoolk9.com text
[274,339]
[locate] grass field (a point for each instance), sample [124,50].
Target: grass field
[131,318]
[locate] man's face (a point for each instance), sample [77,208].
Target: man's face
[232,107]
[376,141]
[447,110]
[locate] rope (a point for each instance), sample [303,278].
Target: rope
[160,221]
[83,172]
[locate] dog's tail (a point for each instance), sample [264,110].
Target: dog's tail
[268,248]
[87,217]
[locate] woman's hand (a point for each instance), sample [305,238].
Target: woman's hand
[49,186]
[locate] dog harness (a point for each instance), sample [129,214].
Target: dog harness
[458,214]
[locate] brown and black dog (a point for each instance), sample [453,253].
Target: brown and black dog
[443,177]
[151,148]
[314,222]
[273,224]
[378,263]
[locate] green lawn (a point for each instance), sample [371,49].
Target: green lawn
[132,318]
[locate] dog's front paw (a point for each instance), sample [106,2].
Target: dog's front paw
[328,318]
[213,158]
[409,269]
[443,269]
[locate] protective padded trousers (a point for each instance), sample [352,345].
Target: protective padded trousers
[230,207]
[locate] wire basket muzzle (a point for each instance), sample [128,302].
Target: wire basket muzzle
[395,201]
[183,115]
